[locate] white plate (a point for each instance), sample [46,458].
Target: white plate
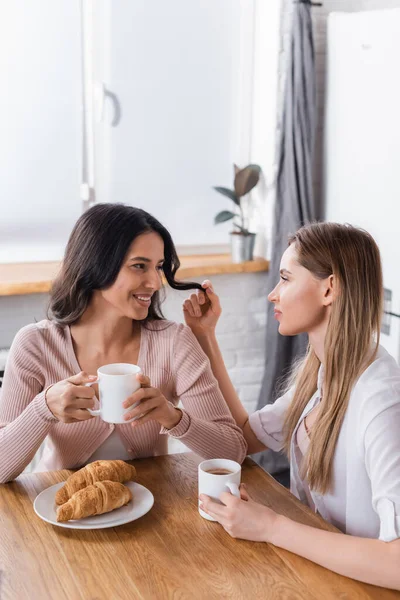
[45,507]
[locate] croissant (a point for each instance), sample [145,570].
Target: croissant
[100,470]
[96,499]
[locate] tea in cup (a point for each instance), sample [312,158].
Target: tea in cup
[216,476]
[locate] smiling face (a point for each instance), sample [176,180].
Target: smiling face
[138,279]
[302,301]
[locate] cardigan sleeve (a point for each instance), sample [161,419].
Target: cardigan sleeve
[25,418]
[207,426]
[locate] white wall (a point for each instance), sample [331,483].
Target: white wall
[175,69]
[362,132]
[320,23]
[196,84]
[264,117]
[40,129]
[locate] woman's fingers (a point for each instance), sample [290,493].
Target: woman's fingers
[201,297]
[211,295]
[244,493]
[207,285]
[187,305]
[81,391]
[143,380]
[195,305]
[148,402]
[214,299]
[206,300]
[148,416]
[75,413]
[142,394]
[81,414]
[198,303]
[81,378]
[229,499]
[83,403]
[145,411]
[217,511]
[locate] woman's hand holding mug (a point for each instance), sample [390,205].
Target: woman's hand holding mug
[70,398]
[149,404]
[202,310]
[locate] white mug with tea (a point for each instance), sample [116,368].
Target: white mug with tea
[218,475]
[116,383]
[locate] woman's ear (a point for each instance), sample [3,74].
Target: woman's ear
[330,290]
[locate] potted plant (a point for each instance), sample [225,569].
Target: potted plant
[242,240]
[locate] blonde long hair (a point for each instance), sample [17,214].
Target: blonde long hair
[352,256]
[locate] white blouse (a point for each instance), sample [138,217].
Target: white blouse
[364,498]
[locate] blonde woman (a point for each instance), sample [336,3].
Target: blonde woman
[339,421]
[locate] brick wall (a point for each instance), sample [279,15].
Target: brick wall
[241,330]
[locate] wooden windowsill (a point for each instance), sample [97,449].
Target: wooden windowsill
[36,278]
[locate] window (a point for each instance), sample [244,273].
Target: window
[149,103]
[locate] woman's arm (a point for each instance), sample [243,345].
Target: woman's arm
[25,419]
[203,327]
[20,439]
[377,436]
[368,560]
[211,348]
[206,425]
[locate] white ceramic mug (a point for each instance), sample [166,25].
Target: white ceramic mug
[213,485]
[116,383]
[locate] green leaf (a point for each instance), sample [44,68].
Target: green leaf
[246,180]
[227,192]
[224,215]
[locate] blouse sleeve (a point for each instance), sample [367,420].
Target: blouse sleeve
[267,423]
[382,459]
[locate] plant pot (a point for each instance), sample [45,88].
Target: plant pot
[242,247]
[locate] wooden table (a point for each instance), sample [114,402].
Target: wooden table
[171,552]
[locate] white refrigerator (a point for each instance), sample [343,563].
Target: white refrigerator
[362,140]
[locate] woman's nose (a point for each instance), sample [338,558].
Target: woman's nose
[153,280]
[273,296]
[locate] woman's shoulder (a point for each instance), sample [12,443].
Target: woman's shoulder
[33,334]
[382,373]
[378,388]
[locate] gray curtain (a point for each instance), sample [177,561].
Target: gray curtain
[295,203]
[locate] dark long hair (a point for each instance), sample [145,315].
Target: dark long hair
[94,255]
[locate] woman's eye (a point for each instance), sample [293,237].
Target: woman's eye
[284,278]
[142,266]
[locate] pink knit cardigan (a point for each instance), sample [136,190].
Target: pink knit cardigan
[42,354]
